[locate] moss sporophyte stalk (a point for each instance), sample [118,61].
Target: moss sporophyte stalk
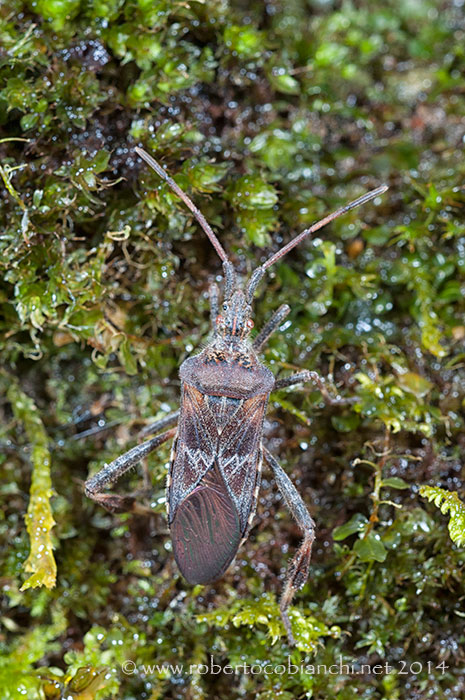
[268,116]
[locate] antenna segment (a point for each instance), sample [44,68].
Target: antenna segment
[327,219]
[187,201]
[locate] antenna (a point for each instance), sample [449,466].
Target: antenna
[257,274]
[319,224]
[187,201]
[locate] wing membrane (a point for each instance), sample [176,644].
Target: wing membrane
[206,531]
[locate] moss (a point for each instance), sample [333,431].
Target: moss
[39,518]
[269,115]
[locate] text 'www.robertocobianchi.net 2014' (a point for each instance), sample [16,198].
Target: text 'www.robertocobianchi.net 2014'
[339,668]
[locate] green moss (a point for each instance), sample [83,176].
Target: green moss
[269,116]
[39,518]
[448,503]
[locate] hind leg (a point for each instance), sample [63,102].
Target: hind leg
[297,572]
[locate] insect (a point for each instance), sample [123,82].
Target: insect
[217,455]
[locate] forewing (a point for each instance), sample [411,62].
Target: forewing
[238,453]
[213,475]
[195,447]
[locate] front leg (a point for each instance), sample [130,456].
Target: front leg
[213,294]
[309,376]
[297,572]
[270,327]
[112,472]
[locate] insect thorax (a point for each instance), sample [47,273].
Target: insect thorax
[223,369]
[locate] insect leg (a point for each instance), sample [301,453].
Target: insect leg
[298,567]
[308,376]
[256,490]
[213,293]
[270,327]
[162,423]
[165,422]
[112,472]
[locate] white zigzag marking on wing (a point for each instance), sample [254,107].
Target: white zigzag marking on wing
[236,460]
[196,457]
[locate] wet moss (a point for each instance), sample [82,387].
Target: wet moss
[269,115]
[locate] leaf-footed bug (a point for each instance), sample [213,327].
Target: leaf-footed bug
[216,460]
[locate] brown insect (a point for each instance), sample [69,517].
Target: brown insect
[216,461]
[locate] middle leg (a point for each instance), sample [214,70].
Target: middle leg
[165,422]
[112,472]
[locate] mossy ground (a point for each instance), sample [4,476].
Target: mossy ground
[269,114]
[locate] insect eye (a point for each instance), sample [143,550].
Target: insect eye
[250,323]
[219,319]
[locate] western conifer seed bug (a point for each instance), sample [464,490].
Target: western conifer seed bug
[216,460]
